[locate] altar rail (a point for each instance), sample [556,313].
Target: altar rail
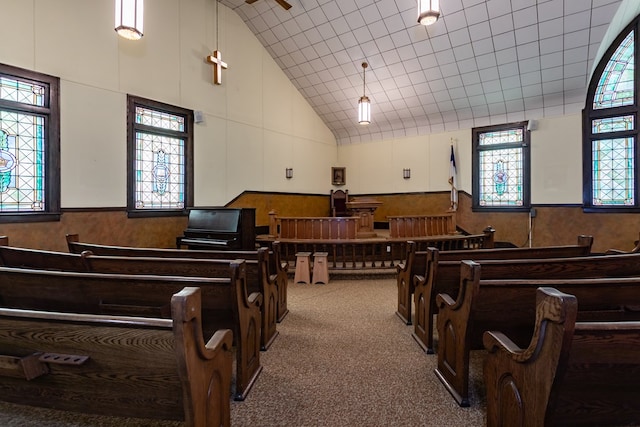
[410,226]
[375,253]
[316,228]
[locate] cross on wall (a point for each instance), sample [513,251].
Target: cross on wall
[218,66]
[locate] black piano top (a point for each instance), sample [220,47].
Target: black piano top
[211,220]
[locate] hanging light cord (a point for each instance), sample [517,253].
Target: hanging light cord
[364,78]
[217,25]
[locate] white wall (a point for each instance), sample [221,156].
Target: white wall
[256,123]
[556,162]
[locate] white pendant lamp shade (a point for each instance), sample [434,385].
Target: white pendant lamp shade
[129,17]
[428,11]
[364,111]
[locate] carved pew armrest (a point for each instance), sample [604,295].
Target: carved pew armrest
[255,298]
[221,340]
[495,341]
[444,300]
[401,267]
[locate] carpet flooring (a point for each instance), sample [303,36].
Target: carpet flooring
[343,358]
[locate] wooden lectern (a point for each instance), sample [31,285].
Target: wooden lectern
[364,208]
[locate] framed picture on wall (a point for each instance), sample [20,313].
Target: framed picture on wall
[338,176]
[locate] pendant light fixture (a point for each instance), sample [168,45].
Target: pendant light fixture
[364,105]
[428,11]
[129,17]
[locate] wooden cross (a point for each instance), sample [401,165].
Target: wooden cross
[218,65]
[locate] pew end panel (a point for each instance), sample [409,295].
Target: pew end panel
[281,268]
[518,380]
[453,366]
[197,377]
[571,373]
[405,284]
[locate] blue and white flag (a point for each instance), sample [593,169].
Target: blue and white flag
[453,180]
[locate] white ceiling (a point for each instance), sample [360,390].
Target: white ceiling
[484,61]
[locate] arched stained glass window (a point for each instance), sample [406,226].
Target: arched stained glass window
[616,84]
[610,152]
[29,146]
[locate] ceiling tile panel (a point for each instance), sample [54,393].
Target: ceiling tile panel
[482,62]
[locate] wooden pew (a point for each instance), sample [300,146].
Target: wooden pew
[257,272]
[276,273]
[226,303]
[127,366]
[509,304]
[569,373]
[436,279]
[416,265]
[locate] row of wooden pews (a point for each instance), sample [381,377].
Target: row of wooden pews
[276,272]
[500,295]
[245,312]
[57,352]
[239,294]
[473,297]
[419,273]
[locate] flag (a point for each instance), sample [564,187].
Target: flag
[453,181]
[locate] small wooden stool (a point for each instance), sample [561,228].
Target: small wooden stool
[320,268]
[303,268]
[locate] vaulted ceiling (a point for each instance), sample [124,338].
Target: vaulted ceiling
[483,62]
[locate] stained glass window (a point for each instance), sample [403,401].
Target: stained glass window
[616,84]
[612,124]
[501,137]
[159,172]
[22,165]
[613,172]
[23,92]
[501,161]
[501,178]
[29,147]
[610,147]
[159,119]
[161,166]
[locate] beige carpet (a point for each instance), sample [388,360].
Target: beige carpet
[343,358]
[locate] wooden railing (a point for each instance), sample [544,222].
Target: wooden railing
[316,228]
[376,253]
[410,226]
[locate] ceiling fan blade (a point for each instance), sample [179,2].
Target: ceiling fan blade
[284,4]
[250,1]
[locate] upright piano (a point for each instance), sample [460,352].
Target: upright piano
[220,228]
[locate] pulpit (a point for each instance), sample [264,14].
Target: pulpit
[364,208]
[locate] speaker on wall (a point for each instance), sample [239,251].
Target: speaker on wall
[532,125]
[198,116]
